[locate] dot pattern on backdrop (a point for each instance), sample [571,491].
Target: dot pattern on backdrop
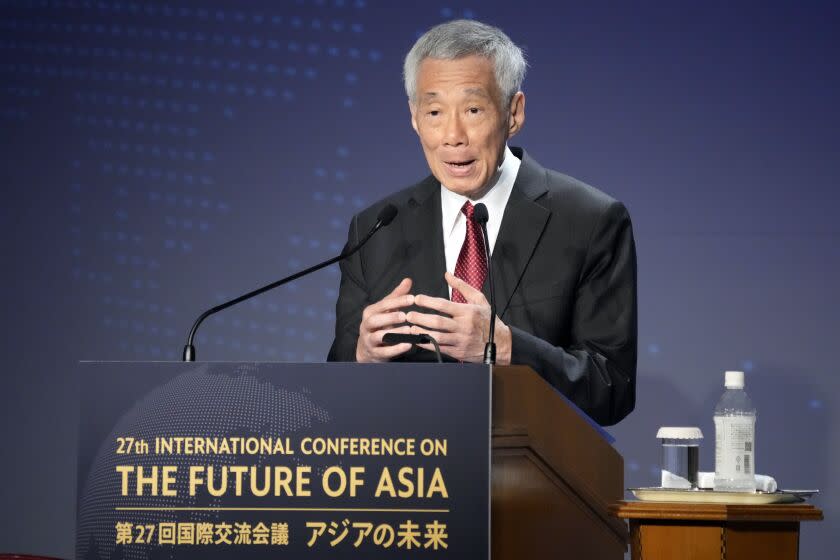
[149,84]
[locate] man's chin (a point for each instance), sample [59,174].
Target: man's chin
[471,192]
[469,187]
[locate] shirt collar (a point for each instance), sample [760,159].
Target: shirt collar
[494,199]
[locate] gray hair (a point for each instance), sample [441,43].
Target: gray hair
[463,37]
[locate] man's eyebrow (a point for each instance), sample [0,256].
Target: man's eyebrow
[480,92]
[476,91]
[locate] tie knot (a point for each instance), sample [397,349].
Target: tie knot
[468,209]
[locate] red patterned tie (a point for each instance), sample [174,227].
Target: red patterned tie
[472,261]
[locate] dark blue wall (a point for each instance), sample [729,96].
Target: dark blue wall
[161,157]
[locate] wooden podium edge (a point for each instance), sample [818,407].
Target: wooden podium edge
[519,446]
[637,509]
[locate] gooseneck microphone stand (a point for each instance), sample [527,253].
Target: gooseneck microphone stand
[481,216]
[385,217]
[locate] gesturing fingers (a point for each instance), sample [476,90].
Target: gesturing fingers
[384,320]
[385,315]
[462,330]
[470,294]
[397,299]
[401,289]
[370,347]
[438,304]
[443,339]
[431,321]
[384,352]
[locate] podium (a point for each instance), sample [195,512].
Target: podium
[483,462]
[555,475]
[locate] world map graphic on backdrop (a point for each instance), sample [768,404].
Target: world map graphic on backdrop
[254,407]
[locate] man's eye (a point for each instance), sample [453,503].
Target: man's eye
[433,113]
[474,110]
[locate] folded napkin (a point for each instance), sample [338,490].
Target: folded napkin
[763,483]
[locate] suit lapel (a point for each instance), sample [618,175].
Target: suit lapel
[423,233]
[522,226]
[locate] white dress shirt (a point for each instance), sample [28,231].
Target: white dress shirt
[496,198]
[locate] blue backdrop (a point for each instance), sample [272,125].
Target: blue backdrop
[159,158]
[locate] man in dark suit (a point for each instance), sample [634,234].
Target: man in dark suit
[563,256]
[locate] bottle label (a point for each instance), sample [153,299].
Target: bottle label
[734,447]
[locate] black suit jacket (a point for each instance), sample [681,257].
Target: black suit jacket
[564,268]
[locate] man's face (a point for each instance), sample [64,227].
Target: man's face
[461,123]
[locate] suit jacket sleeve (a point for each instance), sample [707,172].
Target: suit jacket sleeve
[597,370]
[352,299]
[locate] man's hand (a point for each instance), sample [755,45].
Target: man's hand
[383,317]
[464,328]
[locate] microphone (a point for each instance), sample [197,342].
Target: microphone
[392,338]
[481,216]
[385,217]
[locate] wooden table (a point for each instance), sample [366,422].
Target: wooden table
[664,530]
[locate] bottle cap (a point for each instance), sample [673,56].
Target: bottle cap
[667,432]
[734,379]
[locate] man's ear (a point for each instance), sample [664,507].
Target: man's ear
[517,113]
[413,109]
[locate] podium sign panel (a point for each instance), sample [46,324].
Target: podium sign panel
[245,460]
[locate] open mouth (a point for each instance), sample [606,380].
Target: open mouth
[461,164]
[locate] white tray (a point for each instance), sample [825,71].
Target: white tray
[656,494]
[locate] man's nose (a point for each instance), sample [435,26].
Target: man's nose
[455,134]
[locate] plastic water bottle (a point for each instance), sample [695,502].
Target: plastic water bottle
[735,437]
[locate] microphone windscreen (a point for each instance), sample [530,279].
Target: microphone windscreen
[387,215]
[480,213]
